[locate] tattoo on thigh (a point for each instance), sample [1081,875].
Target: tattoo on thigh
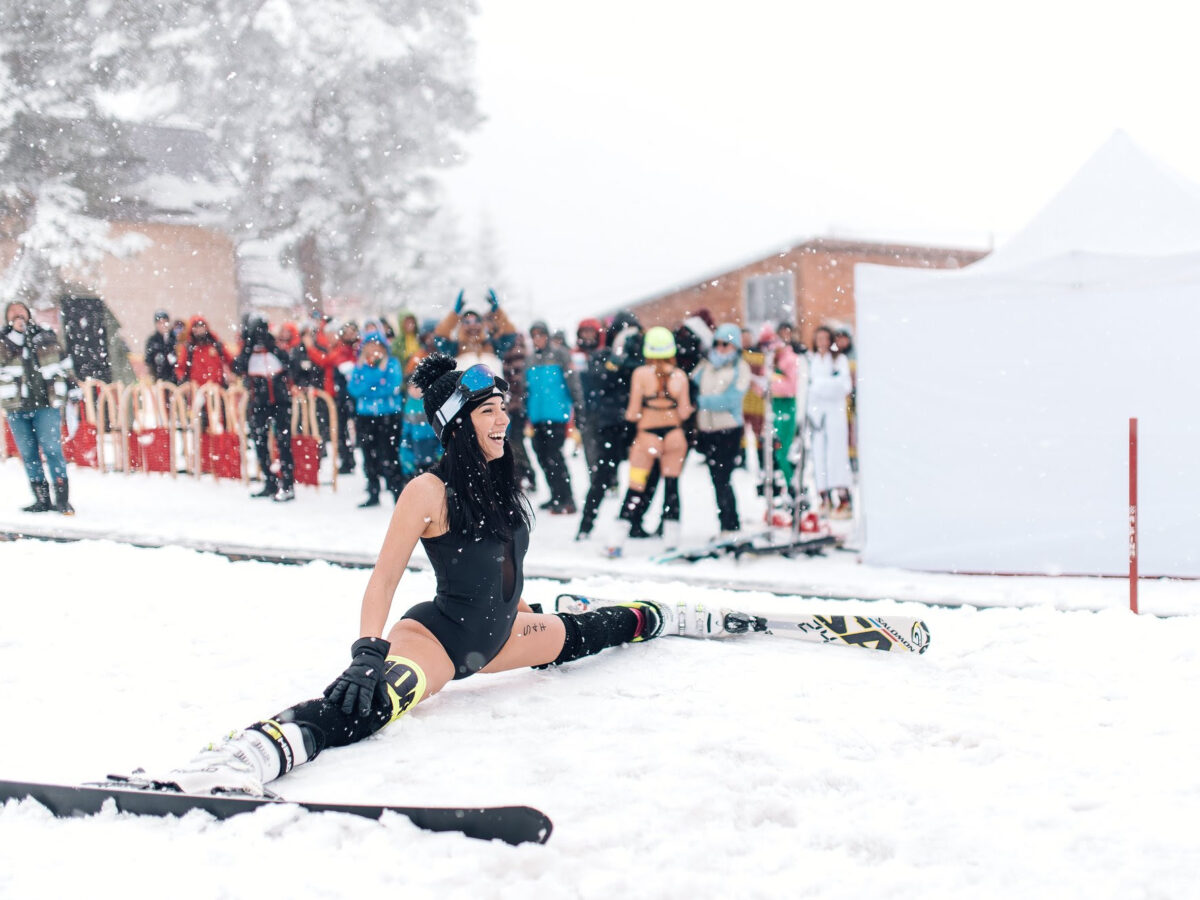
[532,629]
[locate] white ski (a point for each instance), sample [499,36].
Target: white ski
[684,618]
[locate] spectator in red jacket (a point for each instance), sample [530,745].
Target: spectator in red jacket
[201,357]
[337,359]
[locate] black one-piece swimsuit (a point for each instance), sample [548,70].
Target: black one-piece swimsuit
[479,582]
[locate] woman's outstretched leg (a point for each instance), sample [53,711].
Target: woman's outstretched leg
[539,640]
[384,681]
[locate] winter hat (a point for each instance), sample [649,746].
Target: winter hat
[659,343]
[162,314]
[428,326]
[767,335]
[729,332]
[376,337]
[541,326]
[289,335]
[594,324]
[437,378]
[701,329]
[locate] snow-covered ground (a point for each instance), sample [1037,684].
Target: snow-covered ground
[1043,747]
[157,509]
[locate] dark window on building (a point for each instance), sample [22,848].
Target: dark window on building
[769,298]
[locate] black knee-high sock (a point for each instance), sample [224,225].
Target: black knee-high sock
[670,499]
[633,507]
[591,632]
[325,725]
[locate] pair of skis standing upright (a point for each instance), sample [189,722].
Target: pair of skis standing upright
[773,538]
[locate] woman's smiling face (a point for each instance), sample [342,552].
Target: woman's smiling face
[490,421]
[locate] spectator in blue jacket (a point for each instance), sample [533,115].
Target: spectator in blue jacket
[420,448]
[552,392]
[605,386]
[722,379]
[376,384]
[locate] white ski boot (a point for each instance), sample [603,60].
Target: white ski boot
[241,763]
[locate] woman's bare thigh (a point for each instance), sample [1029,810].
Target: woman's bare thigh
[646,448]
[674,450]
[415,642]
[536,639]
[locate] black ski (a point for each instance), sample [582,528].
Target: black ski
[711,550]
[755,544]
[511,824]
[802,545]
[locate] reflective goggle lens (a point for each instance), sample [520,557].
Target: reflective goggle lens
[476,378]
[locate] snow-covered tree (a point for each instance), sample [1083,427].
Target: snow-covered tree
[333,117]
[61,154]
[489,258]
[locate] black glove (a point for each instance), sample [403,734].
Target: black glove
[356,688]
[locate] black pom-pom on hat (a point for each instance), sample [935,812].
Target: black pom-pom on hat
[436,377]
[431,368]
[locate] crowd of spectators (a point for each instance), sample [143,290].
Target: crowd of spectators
[625,394]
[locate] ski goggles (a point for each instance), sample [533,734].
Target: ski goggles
[474,384]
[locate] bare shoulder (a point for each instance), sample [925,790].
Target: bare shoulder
[424,491]
[421,507]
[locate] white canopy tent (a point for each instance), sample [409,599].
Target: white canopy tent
[994,400]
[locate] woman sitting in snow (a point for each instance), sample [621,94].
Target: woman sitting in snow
[473,521]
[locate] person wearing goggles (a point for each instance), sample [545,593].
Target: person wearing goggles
[473,337]
[473,385]
[472,520]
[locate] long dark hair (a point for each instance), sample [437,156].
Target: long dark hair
[482,497]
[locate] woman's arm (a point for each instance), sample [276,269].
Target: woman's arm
[421,508]
[633,411]
[682,394]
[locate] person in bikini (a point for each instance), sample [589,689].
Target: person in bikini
[659,403]
[473,521]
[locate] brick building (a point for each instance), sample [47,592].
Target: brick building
[174,197]
[810,283]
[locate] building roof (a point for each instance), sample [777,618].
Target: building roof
[812,245]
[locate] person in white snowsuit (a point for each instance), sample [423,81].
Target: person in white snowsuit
[828,387]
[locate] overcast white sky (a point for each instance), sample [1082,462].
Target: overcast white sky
[634,146]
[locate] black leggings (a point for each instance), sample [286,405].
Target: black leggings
[261,419]
[548,440]
[379,438]
[723,452]
[613,446]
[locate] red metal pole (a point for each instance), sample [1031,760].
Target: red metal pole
[1133,517]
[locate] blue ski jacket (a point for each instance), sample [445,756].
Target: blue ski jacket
[377,391]
[551,385]
[419,444]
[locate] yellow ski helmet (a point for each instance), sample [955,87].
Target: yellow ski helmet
[659,343]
